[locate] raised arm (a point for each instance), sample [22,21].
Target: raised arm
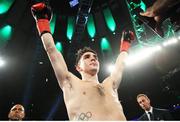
[42,14]
[116,75]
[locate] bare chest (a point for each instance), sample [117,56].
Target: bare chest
[93,94]
[93,90]
[96,99]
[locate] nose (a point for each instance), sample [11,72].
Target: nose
[16,111]
[93,59]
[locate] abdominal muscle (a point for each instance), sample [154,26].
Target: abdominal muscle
[98,114]
[88,104]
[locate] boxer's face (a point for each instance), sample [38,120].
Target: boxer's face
[88,63]
[144,102]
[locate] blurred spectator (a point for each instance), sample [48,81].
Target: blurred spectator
[17,113]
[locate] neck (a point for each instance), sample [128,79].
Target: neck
[148,109]
[89,77]
[15,119]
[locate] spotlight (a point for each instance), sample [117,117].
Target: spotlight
[179,37]
[170,42]
[110,68]
[59,46]
[40,62]
[73,3]
[105,44]
[142,55]
[2,62]
[157,48]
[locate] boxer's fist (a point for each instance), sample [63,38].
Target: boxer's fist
[126,40]
[127,36]
[41,11]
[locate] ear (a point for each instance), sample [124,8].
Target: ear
[78,68]
[23,116]
[9,115]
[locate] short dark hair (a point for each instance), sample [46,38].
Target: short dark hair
[80,52]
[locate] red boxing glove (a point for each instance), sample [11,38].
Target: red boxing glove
[42,14]
[43,26]
[126,39]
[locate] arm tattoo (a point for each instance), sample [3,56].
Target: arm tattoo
[85,116]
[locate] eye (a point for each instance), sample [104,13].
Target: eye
[20,109]
[86,56]
[14,109]
[95,56]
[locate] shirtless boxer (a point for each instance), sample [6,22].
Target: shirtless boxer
[86,98]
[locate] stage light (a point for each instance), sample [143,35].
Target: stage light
[179,37]
[170,42]
[91,27]
[59,47]
[70,27]
[53,23]
[5,5]
[156,48]
[5,34]
[2,62]
[110,68]
[109,19]
[143,6]
[73,3]
[142,55]
[105,45]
